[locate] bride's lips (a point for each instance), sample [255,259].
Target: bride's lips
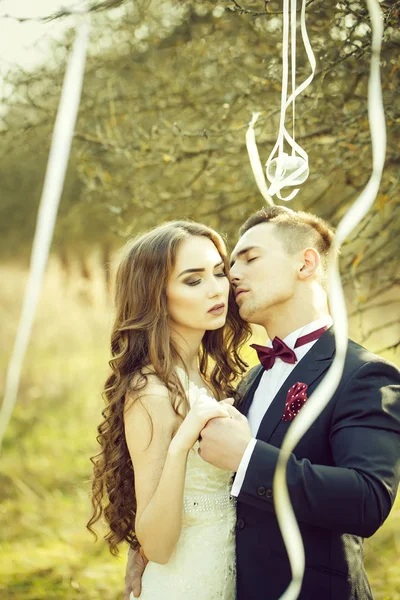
[217,309]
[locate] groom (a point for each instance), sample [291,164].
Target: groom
[343,474]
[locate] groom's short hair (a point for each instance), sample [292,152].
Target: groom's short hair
[297,230]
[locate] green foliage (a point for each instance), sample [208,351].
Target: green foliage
[169,90]
[46,553]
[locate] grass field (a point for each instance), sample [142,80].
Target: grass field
[46,552]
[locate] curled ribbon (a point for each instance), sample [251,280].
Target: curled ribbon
[290,170]
[325,390]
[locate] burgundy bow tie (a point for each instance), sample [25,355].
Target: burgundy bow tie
[281,350]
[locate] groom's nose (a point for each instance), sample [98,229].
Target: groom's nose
[234,275]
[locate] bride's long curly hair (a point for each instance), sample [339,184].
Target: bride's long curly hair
[141,337]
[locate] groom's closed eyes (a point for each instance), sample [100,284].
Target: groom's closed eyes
[249,253]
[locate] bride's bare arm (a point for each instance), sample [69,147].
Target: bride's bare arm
[150,422]
[159,460]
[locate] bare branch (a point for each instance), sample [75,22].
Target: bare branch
[65,12]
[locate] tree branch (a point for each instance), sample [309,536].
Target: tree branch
[65,12]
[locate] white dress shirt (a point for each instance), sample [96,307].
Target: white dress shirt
[270,383]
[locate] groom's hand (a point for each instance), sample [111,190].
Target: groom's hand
[223,441]
[135,567]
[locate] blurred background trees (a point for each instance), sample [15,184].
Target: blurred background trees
[169,90]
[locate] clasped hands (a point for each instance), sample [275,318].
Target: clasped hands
[223,441]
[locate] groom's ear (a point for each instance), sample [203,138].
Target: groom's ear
[310,262]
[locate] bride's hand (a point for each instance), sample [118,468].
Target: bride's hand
[202,411]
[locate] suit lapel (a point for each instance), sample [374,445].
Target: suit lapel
[310,368]
[247,388]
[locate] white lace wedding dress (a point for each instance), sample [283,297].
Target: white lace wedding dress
[202,566]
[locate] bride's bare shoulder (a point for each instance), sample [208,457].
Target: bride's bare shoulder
[147,389]
[146,378]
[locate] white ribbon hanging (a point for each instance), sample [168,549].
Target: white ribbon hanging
[290,170]
[48,207]
[255,161]
[326,389]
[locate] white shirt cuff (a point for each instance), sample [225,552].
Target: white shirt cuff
[241,472]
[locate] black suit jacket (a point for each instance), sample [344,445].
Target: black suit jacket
[342,476]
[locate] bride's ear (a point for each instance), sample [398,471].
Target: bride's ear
[310,263]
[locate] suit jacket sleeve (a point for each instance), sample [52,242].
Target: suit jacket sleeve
[354,495]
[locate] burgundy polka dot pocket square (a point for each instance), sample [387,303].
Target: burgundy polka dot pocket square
[295,399]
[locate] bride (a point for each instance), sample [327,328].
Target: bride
[174,363]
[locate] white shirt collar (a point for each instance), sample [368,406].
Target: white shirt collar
[291,339]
